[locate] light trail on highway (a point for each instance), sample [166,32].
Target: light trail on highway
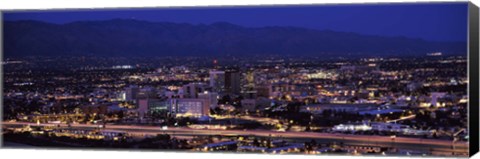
[264,133]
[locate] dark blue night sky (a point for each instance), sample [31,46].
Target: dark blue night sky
[431,21]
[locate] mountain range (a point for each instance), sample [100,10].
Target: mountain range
[128,37]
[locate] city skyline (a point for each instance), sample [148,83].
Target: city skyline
[242,82]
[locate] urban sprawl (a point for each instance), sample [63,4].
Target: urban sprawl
[266,104]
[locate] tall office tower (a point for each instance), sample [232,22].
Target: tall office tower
[232,82]
[250,79]
[215,64]
[192,90]
[217,80]
[131,93]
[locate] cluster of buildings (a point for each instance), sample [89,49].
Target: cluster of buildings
[284,147]
[381,127]
[246,145]
[194,99]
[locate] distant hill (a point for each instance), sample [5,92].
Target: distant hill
[120,37]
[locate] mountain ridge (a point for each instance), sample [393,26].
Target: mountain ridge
[129,37]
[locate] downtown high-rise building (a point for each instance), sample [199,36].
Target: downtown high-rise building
[192,90]
[217,80]
[232,82]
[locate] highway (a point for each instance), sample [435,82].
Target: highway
[443,145]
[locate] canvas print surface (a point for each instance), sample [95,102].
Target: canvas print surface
[357,79]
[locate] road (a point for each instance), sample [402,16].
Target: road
[402,118]
[444,145]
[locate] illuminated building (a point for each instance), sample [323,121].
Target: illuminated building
[147,92]
[211,97]
[192,90]
[189,107]
[217,80]
[156,105]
